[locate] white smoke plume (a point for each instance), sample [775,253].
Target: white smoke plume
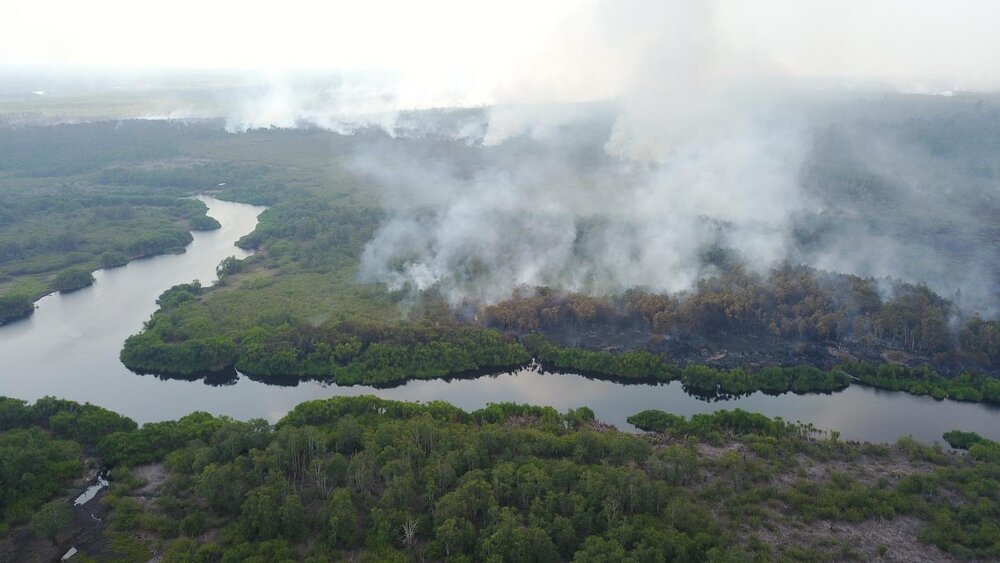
[598,145]
[643,139]
[342,104]
[697,155]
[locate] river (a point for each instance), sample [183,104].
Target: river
[69,348]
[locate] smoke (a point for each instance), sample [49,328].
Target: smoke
[908,188]
[342,104]
[634,159]
[687,152]
[533,212]
[601,145]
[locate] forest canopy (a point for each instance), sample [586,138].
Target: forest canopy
[375,480]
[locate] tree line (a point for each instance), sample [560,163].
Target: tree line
[371,353]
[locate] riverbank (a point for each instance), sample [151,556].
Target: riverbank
[353,353]
[60,249]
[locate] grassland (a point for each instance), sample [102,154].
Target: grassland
[40,238]
[98,195]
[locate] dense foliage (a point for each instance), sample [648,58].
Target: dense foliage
[229,266]
[14,307]
[41,446]
[925,381]
[157,350]
[344,352]
[350,353]
[366,479]
[72,279]
[697,378]
[737,421]
[85,424]
[979,448]
[195,177]
[96,195]
[34,466]
[71,149]
[44,233]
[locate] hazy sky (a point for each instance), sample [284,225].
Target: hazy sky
[488,42]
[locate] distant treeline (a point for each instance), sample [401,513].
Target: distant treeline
[310,234]
[52,240]
[71,149]
[20,206]
[199,176]
[736,421]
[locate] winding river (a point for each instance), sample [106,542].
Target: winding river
[69,348]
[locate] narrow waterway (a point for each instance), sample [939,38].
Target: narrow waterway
[69,349]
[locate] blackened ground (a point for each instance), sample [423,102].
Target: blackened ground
[726,351]
[83,532]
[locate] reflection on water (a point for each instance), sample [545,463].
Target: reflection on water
[859,413]
[69,348]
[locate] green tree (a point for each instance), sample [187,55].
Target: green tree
[229,266]
[260,513]
[50,519]
[457,535]
[600,550]
[72,279]
[342,528]
[14,307]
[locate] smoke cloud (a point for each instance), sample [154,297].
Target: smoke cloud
[536,213]
[690,152]
[695,147]
[599,145]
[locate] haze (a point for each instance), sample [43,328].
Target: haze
[483,48]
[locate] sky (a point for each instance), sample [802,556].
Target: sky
[482,47]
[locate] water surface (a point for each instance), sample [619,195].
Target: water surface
[69,348]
